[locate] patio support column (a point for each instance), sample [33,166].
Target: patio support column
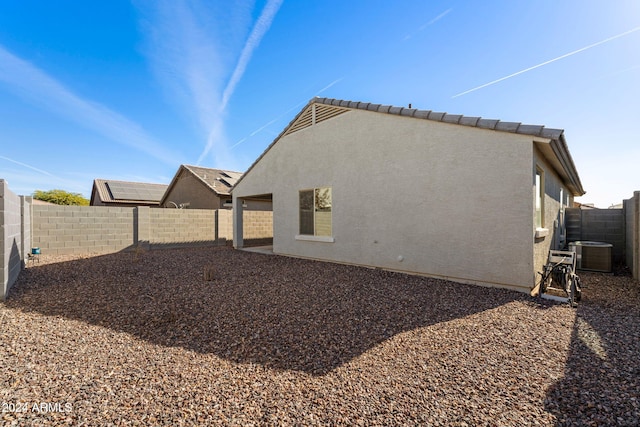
[238,238]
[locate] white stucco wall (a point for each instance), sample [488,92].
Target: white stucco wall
[452,201]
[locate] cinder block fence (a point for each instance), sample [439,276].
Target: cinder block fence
[62,230]
[632,228]
[15,233]
[59,230]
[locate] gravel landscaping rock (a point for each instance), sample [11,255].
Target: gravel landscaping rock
[218,336]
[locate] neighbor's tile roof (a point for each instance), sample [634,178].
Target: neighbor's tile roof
[218,180]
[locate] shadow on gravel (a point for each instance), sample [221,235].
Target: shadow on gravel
[280,312]
[601,385]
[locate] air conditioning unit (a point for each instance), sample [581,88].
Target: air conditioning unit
[593,256]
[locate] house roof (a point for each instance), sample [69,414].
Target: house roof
[218,181]
[40,202]
[555,150]
[110,191]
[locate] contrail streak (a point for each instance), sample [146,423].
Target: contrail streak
[37,87]
[27,166]
[259,30]
[548,62]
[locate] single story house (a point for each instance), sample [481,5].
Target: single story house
[461,198]
[195,187]
[109,192]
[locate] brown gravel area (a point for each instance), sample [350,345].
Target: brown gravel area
[144,339]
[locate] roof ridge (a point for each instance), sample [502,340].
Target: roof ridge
[132,182]
[556,135]
[459,119]
[205,167]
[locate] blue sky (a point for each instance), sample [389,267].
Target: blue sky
[130,90]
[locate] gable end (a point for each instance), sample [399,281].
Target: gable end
[314,114]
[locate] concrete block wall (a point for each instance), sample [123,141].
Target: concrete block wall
[225,225]
[61,230]
[257,224]
[15,243]
[180,226]
[26,203]
[632,220]
[598,225]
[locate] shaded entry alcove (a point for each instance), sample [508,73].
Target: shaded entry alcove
[253,221]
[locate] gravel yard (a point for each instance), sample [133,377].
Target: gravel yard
[217,336]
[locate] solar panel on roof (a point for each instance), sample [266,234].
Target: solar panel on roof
[136,191]
[234,175]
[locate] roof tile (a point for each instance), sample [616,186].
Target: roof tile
[447,118]
[487,123]
[507,126]
[452,118]
[469,121]
[436,116]
[551,133]
[218,180]
[422,114]
[530,129]
[554,134]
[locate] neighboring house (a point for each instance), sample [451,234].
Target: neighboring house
[461,198]
[41,203]
[109,192]
[195,187]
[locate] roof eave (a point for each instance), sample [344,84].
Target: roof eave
[561,150]
[556,151]
[163,200]
[280,135]
[553,136]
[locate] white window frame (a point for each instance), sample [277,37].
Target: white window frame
[538,208]
[539,198]
[314,237]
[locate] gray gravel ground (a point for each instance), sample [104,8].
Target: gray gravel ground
[144,339]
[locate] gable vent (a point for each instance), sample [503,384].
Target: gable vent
[313,114]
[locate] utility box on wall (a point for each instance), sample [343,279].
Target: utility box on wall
[593,256]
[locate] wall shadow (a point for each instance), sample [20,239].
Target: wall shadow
[280,312]
[12,269]
[601,385]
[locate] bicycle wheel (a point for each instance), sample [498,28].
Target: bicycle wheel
[573,298]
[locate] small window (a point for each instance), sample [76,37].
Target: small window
[539,199]
[315,212]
